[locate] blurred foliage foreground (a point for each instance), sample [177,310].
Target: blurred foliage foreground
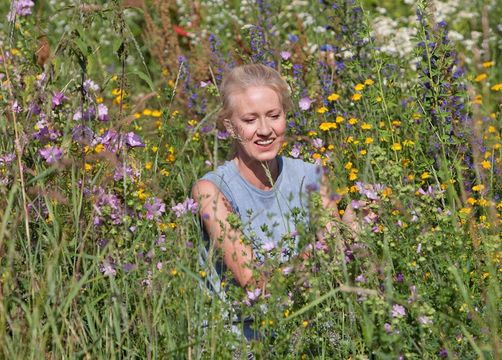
[107,117]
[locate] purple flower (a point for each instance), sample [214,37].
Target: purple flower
[133,140]
[443,353]
[108,268]
[424,320]
[122,170]
[222,135]
[203,84]
[16,107]
[268,246]
[7,159]
[295,151]
[57,99]
[398,311]
[51,154]
[285,55]
[387,327]
[82,134]
[20,8]
[253,294]
[155,207]
[90,85]
[305,103]
[128,267]
[360,279]
[182,208]
[102,112]
[399,277]
[317,143]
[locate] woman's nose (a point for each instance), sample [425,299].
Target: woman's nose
[264,127]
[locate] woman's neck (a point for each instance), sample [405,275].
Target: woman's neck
[258,173]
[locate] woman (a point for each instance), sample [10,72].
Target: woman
[267,192]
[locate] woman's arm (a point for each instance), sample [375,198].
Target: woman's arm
[214,210]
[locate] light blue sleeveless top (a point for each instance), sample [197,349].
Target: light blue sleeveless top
[270,218]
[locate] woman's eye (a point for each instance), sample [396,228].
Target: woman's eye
[248,120]
[275,116]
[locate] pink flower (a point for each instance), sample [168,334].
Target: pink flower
[398,311]
[102,112]
[305,103]
[51,154]
[285,55]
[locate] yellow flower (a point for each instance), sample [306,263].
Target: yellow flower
[378,99]
[147,112]
[482,202]
[164,172]
[478,188]
[333,97]
[416,116]
[156,113]
[192,122]
[325,126]
[471,201]
[408,143]
[331,147]
[173,272]
[396,123]
[305,323]
[368,82]
[88,167]
[366,126]
[348,165]
[359,87]
[465,210]
[481,77]
[368,140]
[491,129]
[342,191]
[353,175]
[98,148]
[349,139]
[488,64]
[202,273]
[316,156]
[339,119]
[286,313]
[478,99]
[356,97]
[363,152]
[486,164]
[396,147]
[155,149]
[322,110]
[148,165]
[425,175]
[312,133]
[99,99]
[116,92]
[352,121]
[497,87]
[137,115]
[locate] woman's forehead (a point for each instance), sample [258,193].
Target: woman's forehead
[254,98]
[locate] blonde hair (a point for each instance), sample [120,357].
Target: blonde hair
[245,76]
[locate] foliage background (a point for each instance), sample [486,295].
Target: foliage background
[108,117]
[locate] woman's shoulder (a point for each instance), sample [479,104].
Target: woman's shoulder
[218,180]
[299,164]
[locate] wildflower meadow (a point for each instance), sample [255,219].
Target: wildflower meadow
[108,117]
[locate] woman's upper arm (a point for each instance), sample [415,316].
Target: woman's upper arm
[214,210]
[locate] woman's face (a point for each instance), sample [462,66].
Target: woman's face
[258,122]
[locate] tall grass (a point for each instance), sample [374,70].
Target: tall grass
[99,248]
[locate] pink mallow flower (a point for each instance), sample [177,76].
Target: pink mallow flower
[398,311]
[305,103]
[51,154]
[187,205]
[155,207]
[102,112]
